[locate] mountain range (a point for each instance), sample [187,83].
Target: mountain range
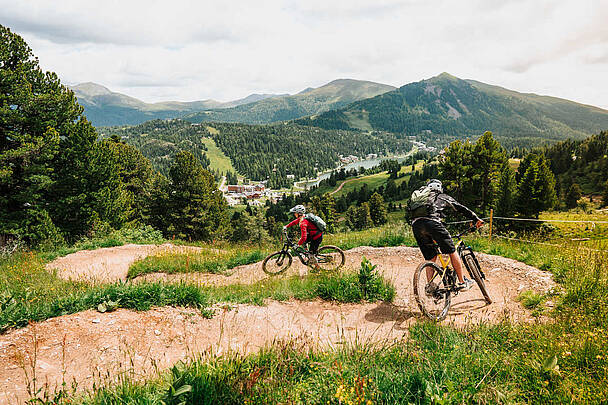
[445,107]
[310,101]
[104,107]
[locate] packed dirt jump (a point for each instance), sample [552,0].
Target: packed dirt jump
[95,348]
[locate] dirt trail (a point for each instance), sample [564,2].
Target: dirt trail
[109,264]
[342,185]
[142,342]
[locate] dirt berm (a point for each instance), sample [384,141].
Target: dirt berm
[90,346]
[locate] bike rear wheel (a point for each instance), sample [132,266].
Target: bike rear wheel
[475,272]
[330,257]
[277,263]
[433,304]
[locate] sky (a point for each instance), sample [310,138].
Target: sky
[224,50]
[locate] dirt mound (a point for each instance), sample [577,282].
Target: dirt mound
[109,264]
[91,345]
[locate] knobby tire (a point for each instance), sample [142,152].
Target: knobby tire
[337,256]
[424,302]
[475,273]
[281,259]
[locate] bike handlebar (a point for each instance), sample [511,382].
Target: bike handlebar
[470,229]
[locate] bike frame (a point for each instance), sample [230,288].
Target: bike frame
[289,244]
[445,263]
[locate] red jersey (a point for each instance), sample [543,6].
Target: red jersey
[307,228]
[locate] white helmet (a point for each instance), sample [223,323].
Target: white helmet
[299,209]
[435,185]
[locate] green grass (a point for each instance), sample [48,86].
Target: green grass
[339,287]
[217,159]
[208,261]
[394,234]
[29,293]
[434,365]
[530,299]
[373,181]
[359,120]
[562,359]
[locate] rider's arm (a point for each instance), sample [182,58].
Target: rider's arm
[304,229]
[292,223]
[460,208]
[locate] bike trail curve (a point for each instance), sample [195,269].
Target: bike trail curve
[92,348]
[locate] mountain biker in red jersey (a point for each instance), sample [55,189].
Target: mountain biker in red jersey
[309,231]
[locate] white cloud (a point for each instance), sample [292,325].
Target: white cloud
[187,50]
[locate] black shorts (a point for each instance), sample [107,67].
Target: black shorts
[427,232]
[314,243]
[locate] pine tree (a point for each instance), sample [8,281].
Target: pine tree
[391,192]
[573,195]
[377,209]
[536,190]
[351,217]
[456,170]
[507,191]
[137,176]
[196,208]
[328,211]
[488,158]
[363,218]
[51,166]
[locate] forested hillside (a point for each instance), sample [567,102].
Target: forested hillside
[160,140]
[258,152]
[335,94]
[445,108]
[104,107]
[261,151]
[581,165]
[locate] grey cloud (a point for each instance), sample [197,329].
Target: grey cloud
[78,32]
[59,32]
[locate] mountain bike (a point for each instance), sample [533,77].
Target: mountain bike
[328,257]
[434,296]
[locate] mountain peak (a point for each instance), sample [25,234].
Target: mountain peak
[91,89]
[445,76]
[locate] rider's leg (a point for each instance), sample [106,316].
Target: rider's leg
[429,271]
[455,259]
[314,244]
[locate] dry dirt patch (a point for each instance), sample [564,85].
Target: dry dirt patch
[109,264]
[91,345]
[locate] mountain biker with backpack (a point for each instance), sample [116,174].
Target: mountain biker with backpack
[311,228]
[426,208]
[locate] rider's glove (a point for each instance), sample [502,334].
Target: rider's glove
[284,228]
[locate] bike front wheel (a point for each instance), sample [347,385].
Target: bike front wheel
[475,272]
[330,258]
[433,297]
[277,263]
